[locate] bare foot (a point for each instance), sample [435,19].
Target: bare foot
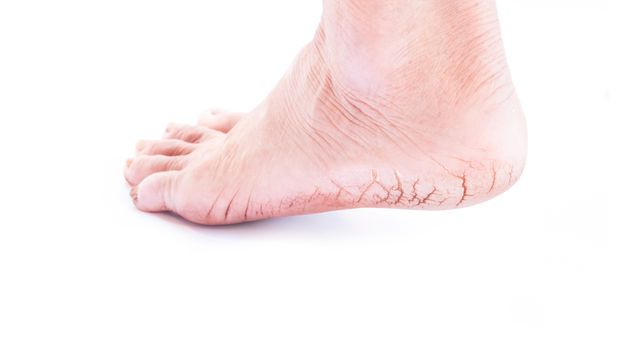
[422,115]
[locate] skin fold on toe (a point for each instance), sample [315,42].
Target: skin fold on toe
[440,127]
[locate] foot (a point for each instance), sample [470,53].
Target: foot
[405,121]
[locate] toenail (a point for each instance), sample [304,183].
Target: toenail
[129,162]
[134,194]
[140,145]
[172,126]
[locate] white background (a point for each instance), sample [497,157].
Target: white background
[80,268]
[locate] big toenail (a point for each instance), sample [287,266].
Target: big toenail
[129,162]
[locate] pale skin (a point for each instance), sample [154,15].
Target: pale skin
[395,104]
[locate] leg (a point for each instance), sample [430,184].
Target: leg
[397,104]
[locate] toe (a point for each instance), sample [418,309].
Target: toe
[156,192]
[188,133]
[142,166]
[220,120]
[168,147]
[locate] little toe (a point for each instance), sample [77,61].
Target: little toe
[220,120]
[144,165]
[188,133]
[166,147]
[156,192]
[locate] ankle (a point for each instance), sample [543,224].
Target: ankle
[453,47]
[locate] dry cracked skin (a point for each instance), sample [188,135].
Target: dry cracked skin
[413,108]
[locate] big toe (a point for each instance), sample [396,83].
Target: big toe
[156,192]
